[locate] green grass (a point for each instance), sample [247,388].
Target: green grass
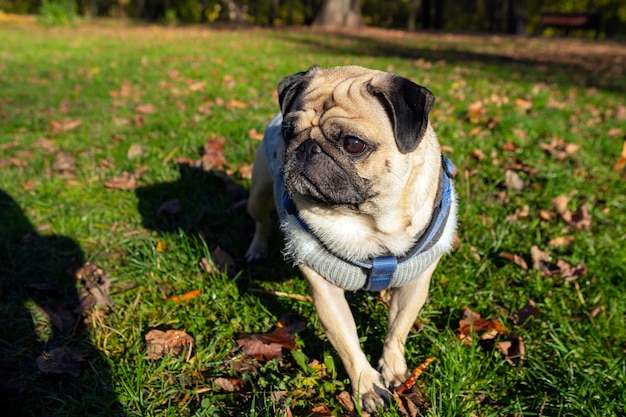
[575,361]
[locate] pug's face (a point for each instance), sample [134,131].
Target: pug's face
[348,133]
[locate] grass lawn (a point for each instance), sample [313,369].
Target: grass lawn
[124,162]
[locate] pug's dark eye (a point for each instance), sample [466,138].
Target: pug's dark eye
[353,145]
[289,131]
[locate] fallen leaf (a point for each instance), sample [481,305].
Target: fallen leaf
[175,342]
[255,135]
[97,284]
[475,112]
[235,104]
[621,162]
[523,104]
[213,156]
[409,402]
[322,411]
[222,260]
[415,374]
[64,125]
[510,147]
[145,108]
[513,181]
[580,219]
[161,246]
[478,155]
[134,151]
[60,360]
[267,346]
[64,163]
[513,350]
[526,315]
[230,384]
[541,262]
[571,273]
[245,171]
[124,181]
[60,317]
[185,297]
[170,207]
[561,241]
[516,259]
[47,145]
[559,149]
[472,325]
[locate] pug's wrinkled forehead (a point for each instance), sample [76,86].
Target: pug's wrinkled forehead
[406,104]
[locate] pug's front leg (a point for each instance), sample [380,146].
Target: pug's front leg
[338,322]
[406,303]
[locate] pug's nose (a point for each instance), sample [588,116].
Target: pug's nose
[309,147]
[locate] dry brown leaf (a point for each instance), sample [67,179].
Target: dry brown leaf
[245,171]
[472,325]
[541,262]
[561,241]
[125,181]
[255,135]
[621,162]
[516,259]
[513,350]
[523,104]
[230,384]
[169,207]
[60,360]
[175,342]
[235,104]
[213,156]
[559,149]
[580,219]
[526,315]
[64,125]
[513,181]
[134,151]
[64,163]
[510,147]
[97,284]
[478,155]
[322,411]
[267,346]
[571,273]
[222,260]
[475,112]
[47,145]
[145,108]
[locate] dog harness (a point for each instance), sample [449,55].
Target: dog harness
[376,274]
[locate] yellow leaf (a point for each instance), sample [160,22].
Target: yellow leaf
[160,246]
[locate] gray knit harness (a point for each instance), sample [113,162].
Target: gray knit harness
[302,246]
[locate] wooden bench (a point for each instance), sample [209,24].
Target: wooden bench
[571,20]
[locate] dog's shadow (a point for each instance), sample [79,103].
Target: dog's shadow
[211,205]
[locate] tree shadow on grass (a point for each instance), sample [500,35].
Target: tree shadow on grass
[571,64]
[48,366]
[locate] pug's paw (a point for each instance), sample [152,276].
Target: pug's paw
[371,393]
[392,367]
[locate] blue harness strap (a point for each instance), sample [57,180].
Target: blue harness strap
[381,273]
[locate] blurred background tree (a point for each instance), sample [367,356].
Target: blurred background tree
[479,16]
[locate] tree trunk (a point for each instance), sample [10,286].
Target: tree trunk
[339,13]
[414,6]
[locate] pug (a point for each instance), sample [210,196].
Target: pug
[366,201]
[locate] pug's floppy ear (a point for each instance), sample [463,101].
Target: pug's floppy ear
[407,105]
[291,86]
